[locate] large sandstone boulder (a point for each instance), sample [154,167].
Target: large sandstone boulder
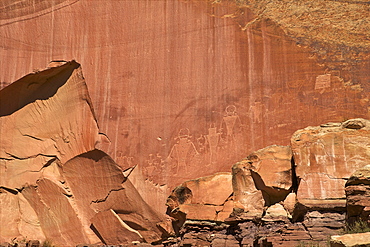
[205,198]
[262,179]
[45,119]
[326,156]
[106,198]
[54,184]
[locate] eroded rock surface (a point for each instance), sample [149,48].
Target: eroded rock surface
[54,184]
[234,78]
[262,179]
[326,156]
[205,198]
[358,195]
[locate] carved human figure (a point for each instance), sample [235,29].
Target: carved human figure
[213,138]
[150,167]
[183,150]
[230,121]
[256,112]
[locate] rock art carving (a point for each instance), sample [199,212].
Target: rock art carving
[322,81]
[213,139]
[327,156]
[230,122]
[182,151]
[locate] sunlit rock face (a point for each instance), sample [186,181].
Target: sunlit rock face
[179,85]
[326,157]
[54,184]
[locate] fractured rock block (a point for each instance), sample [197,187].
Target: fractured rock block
[106,188]
[112,230]
[326,156]
[205,198]
[265,174]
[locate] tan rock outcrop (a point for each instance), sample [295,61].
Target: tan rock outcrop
[325,158]
[54,184]
[105,188]
[275,213]
[205,198]
[263,178]
[46,119]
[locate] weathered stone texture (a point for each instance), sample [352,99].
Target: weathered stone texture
[54,184]
[233,79]
[358,195]
[351,240]
[205,198]
[326,156]
[262,179]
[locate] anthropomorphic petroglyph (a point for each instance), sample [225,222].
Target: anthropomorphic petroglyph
[183,151]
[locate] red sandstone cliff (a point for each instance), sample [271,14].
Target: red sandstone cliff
[182,89]
[182,84]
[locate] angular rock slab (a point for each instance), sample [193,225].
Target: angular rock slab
[99,186]
[58,219]
[267,172]
[56,99]
[17,217]
[44,116]
[205,198]
[326,156]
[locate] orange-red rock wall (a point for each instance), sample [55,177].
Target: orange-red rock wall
[177,86]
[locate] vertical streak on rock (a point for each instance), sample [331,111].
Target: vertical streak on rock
[251,80]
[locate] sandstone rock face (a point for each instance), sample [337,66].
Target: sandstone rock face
[326,156]
[358,195]
[54,184]
[35,140]
[263,178]
[179,85]
[205,198]
[106,189]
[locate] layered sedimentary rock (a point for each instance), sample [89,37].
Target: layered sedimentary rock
[358,195]
[54,184]
[181,84]
[326,156]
